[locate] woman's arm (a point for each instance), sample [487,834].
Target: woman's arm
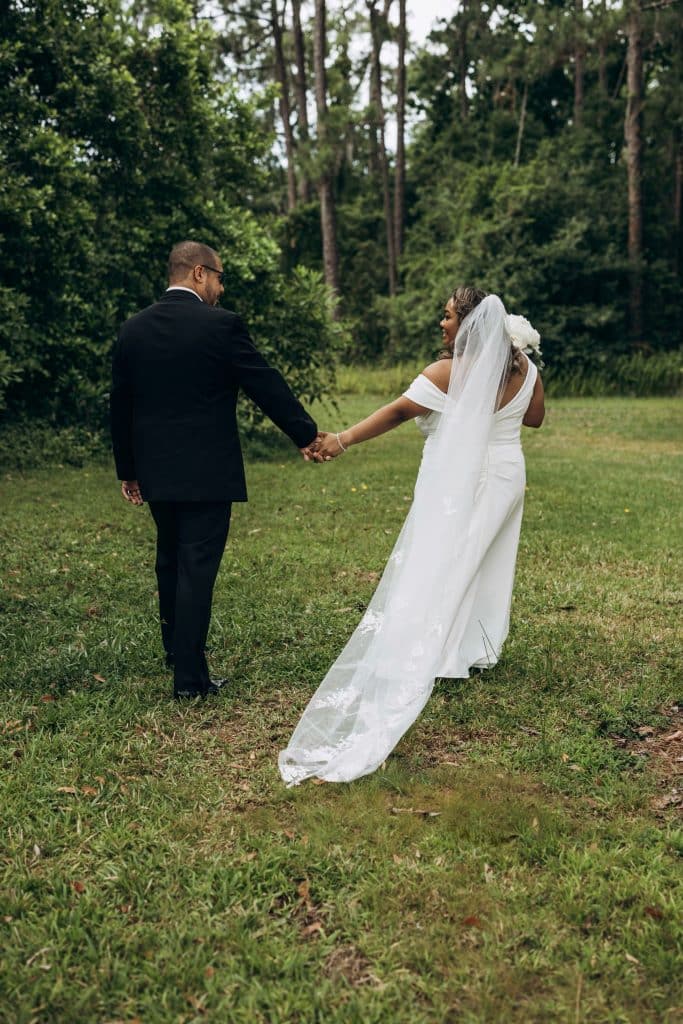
[386,418]
[535,413]
[378,422]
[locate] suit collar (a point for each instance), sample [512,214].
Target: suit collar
[176,294]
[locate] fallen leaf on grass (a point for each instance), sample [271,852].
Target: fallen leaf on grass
[197,1004]
[89,791]
[209,972]
[312,929]
[99,678]
[645,730]
[47,698]
[78,887]
[472,921]
[655,913]
[67,789]
[632,959]
[304,890]
[415,810]
[678,735]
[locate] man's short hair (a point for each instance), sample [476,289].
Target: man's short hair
[186,255]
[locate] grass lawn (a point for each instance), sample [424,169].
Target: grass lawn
[516,859]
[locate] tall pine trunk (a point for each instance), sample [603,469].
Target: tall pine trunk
[578,67]
[328,220]
[301,93]
[633,135]
[379,122]
[285,110]
[462,61]
[678,200]
[400,170]
[520,126]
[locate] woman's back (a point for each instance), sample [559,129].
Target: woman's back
[507,421]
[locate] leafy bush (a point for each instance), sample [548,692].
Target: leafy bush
[637,375]
[28,444]
[127,141]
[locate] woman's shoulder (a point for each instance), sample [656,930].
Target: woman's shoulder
[439,373]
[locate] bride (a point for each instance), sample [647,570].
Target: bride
[442,606]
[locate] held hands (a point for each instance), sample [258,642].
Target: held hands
[324,448]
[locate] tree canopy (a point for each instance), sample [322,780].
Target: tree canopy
[531,149]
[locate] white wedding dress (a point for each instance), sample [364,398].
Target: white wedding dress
[443,603]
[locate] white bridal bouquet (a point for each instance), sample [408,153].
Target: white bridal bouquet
[523,335]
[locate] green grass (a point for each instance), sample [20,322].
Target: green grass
[152,865]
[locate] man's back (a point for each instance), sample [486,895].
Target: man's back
[177,369]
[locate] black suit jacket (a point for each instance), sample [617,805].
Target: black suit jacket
[177,367]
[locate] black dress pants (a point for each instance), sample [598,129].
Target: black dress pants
[191,538]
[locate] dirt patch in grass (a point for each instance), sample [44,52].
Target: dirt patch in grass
[348,963]
[663,749]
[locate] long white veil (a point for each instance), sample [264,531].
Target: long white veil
[383,678]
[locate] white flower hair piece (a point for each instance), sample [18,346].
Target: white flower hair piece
[522,334]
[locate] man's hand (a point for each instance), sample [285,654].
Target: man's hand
[130,489]
[310,453]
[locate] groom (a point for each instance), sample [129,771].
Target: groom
[176,370]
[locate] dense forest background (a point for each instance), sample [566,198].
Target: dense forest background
[349,179]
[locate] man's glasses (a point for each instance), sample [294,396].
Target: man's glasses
[221,273]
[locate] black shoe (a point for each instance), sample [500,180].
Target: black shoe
[215,686]
[218,686]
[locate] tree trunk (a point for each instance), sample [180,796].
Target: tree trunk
[634,159]
[285,112]
[377,103]
[602,68]
[578,67]
[328,220]
[520,128]
[462,62]
[400,172]
[678,200]
[301,92]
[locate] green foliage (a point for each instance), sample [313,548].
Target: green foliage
[154,864]
[507,190]
[542,236]
[658,373]
[29,443]
[119,137]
